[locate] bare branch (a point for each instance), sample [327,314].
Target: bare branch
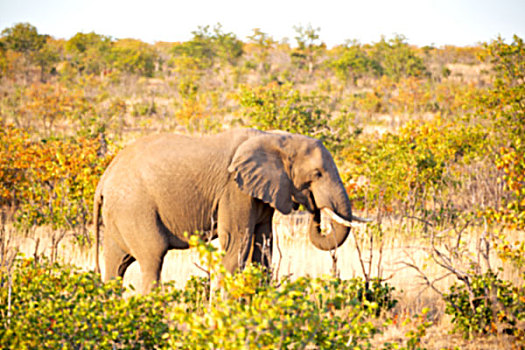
[202,269]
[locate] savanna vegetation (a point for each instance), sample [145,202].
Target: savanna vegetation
[430,142]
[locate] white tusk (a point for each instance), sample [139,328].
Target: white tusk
[330,213]
[336,217]
[358,219]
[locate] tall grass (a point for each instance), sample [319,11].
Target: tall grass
[293,255]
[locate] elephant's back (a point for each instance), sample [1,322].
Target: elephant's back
[175,154]
[174,175]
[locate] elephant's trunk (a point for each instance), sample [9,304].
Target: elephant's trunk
[341,217]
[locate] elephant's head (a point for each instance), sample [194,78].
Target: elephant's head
[286,170]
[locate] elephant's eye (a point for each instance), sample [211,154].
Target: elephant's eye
[317,175]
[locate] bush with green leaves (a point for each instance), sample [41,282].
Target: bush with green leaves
[309,48]
[262,45]
[502,108]
[135,57]
[210,46]
[353,62]
[45,304]
[281,107]
[486,305]
[397,58]
[34,48]
[421,164]
[89,53]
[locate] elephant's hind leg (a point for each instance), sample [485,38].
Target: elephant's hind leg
[116,260]
[150,268]
[262,253]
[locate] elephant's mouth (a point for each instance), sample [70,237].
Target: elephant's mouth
[310,205]
[304,198]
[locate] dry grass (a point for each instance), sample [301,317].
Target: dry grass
[294,255]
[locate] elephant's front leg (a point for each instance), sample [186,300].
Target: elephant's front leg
[236,218]
[238,249]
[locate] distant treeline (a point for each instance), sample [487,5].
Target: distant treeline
[24,50]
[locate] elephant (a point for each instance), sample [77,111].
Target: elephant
[163,187]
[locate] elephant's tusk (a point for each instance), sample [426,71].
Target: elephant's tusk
[358,219]
[330,213]
[336,218]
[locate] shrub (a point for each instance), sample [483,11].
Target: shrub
[57,306]
[207,47]
[135,57]
[46,305]
[353,62]
[281,107]
[397,59]
[324,313]
[308,47]
[502,108]
[89,53]
[417,165]
[52,181]
[487,304]
[32,47]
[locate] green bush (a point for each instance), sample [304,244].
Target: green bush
[324,313]
[415,166]
[397,58]
[134,56]
[309,48]
[33,47]
[502,108]
[487,304]
[281,107]
[208,47]
[45,305]
[353,62]
[89,53]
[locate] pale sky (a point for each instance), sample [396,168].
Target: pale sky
[423,22]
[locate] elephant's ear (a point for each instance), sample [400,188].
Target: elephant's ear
[258,167]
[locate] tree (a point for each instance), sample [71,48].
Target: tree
[3,59]
[263,44]
[397,59]
[227,46]
[206,47]
[24,39]
[48,55]
[504,105]
[308,47]
[134,56]
[353,63]
[90,52]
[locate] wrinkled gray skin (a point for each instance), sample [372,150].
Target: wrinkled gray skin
[226,185]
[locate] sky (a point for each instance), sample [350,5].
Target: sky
[423,22]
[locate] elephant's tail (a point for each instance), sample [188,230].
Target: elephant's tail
[97,204]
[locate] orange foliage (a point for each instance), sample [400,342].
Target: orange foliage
[47,104]
[50,181]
